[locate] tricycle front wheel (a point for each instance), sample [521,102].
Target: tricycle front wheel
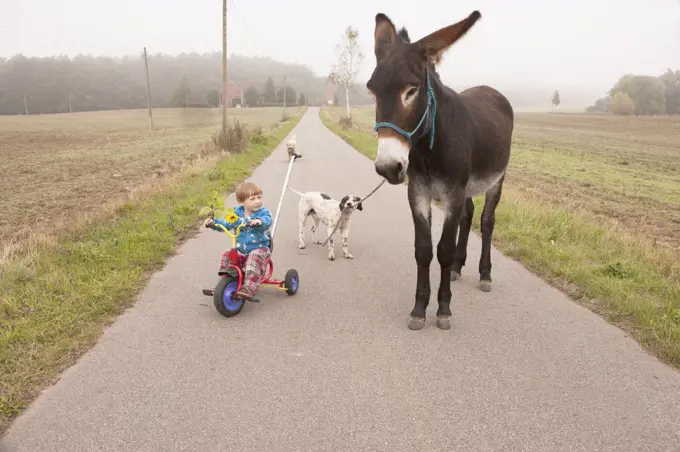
[224,297]
[292,281]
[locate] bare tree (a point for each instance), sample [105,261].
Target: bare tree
[350,57]
[555,100]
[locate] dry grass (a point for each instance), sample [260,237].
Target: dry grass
[592,204]
[58,167]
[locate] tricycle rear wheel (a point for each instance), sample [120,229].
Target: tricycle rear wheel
[224,297]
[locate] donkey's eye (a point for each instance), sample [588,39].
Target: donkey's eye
[411,92]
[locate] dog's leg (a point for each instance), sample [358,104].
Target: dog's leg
[301,231]
[345,248]
[317,220]
[331,242]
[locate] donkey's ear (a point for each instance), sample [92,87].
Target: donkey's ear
[435,44]
[385,35]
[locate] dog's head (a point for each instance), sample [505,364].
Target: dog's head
[351,202]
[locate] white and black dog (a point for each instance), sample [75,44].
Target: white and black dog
[323,208]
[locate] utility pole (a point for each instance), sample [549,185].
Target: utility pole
[224,67]
[284,95]
[25,104]
[148,89]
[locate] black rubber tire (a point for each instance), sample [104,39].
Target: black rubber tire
[288,281]
[217,297]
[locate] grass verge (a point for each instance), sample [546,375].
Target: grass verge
[56,297]
[625,279]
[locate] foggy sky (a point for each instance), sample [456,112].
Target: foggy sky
[555,43]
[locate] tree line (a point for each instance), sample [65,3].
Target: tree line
[642,95]
[61,84]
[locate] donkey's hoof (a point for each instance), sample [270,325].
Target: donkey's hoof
[455,276]
[444,323]
[416,323]
[485,285]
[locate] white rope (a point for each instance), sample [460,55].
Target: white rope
[283,193]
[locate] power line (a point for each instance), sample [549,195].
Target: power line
[245,25]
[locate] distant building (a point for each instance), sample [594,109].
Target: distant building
[234,95]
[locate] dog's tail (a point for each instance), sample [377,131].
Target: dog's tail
[295,191]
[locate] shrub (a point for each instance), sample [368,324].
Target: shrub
[235,140]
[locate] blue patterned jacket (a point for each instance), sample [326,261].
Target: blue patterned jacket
[250,237]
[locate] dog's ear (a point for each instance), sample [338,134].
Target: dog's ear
[343,201]
[357,200]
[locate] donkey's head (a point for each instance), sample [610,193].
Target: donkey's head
[401,87]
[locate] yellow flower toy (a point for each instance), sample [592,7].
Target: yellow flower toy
[231,216]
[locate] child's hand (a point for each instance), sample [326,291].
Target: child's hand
[209,222]
[256,222]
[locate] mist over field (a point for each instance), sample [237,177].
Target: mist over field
[71,55]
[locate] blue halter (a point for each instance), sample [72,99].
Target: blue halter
[431,104]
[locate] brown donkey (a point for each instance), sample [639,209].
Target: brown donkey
[452,146]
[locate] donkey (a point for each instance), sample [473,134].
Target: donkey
[452,146]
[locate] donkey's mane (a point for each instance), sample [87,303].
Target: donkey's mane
[403,35]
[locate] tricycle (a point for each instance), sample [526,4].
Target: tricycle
[231,278]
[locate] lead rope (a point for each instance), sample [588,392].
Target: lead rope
[343,212]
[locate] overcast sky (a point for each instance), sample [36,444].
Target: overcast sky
[521,42]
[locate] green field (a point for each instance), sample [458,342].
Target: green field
[592,204]
[61,286]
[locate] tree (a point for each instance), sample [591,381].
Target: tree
[270,92]
[622,104]
[251,96]
[350,57]
[671,83]
[555,99]
[181,94]
[212,97]
[290,95]
[647,93]
[302,100]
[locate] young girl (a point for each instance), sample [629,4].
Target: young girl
[254,238]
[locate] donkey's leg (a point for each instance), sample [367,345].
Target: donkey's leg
[493,196]
[461,248]
[446,252]
[420,199]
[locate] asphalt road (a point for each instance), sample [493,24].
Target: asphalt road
[334,368]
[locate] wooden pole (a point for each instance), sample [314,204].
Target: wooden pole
[284,96]
[224,67]
[148,89]
[25,104]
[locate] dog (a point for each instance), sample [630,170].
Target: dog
[290,147]
[324,209]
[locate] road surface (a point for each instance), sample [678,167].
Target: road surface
[334,368]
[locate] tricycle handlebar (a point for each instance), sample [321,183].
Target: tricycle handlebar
[233,236]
